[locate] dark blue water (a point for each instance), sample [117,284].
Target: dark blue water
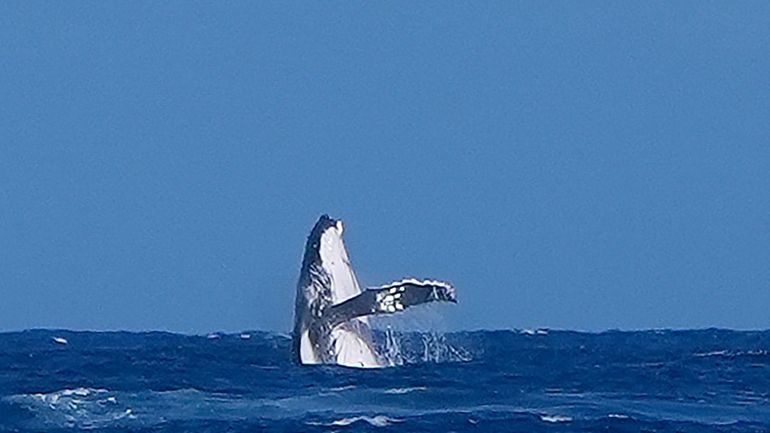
[667,381]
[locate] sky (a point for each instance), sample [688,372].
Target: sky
[572,165]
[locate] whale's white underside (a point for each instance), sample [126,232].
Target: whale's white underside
[350,347]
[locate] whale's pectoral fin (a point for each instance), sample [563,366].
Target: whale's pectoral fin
[391,298]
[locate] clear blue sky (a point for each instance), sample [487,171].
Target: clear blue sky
[582,165]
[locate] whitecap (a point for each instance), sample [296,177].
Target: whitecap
[405,390]
[376,421]
[74,407]
[53,397]
[128,413]
[712,353]
[342,388]
[60,340]
[555,418]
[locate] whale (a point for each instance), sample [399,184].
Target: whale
[331,313]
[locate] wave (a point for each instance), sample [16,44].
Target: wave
[642,380]
[89,408]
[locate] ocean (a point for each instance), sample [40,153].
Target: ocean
[486,381]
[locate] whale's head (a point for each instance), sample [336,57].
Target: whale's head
[325,240]
[326,250]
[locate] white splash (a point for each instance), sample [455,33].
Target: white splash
[437,350]
[392,352]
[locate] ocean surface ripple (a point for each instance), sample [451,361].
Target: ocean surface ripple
[514,381]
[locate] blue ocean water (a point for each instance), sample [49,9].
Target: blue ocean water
[513,381]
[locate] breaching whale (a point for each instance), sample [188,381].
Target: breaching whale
[330,315]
